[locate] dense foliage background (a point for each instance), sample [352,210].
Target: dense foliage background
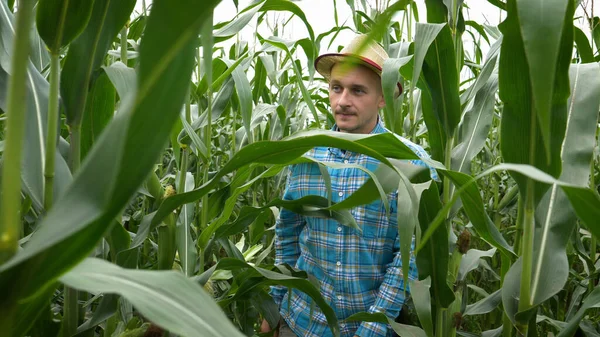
[144,156]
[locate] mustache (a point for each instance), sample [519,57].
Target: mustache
[344,111]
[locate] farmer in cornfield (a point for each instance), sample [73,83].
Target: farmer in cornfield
[356,271]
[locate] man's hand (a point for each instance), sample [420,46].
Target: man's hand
[264,327]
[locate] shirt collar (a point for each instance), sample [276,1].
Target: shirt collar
[379,128]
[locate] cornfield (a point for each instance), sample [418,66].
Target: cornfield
[145,154]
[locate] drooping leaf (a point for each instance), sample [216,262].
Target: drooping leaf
[470,261]
[166,298]
[123,79]
[485,305]
[400,329]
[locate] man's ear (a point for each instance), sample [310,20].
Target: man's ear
[381,104]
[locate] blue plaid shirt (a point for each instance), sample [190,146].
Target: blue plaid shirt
[356,272]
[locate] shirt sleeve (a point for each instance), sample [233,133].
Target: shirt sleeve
[391,296]
[288,227]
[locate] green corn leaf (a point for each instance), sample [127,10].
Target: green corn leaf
[556,218]
[524,134]
[420,292]
[441,75]
[99,111]
[485,305]
[542,24]
[166,298]
[34,151]
[123,79]
[475,126]
[583,46]
[400,329]
[273,278]
[121,159]
[61,21]
[87,52]
[432,260]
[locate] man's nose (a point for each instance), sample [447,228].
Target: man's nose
[344,98]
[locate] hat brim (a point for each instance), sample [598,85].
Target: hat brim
[325,62]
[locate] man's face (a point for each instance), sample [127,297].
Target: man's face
[355,97]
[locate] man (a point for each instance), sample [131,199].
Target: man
[356,271]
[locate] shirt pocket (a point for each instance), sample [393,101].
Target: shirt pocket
[373,220]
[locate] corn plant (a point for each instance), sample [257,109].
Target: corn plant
[144,158]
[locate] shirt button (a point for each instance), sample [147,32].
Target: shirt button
[339,229]
[345,161]
[339,297]
[342,325]
[339,263]
[341,194]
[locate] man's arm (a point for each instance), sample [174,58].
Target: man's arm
[390,297]
[288,227]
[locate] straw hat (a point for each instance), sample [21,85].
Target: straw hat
[372,56]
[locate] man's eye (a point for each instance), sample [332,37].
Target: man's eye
[335,88]
[359,91]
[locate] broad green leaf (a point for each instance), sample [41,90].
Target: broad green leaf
[583,46]
[554,214]
[87,52]
[39,55]
[199,147]
[61,21]
[167,298]
[420,292]
[441,75]
[34,149]
[284,45]
[432,260]
[401,329]
[289,6]
[286,151]
[185,245]
[475,126]
[485,305]
[236,25]
[274,278]
[99,110]
[543,24]
[473,205]
[470,261]
[488,69]
[436,134]
[425,35]
[530,115]
[390,76]
[121,159]
[555,217]
[592,301]
[28,312]
[244,93]
[123,78]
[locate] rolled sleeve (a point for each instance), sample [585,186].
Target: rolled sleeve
[288,227]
